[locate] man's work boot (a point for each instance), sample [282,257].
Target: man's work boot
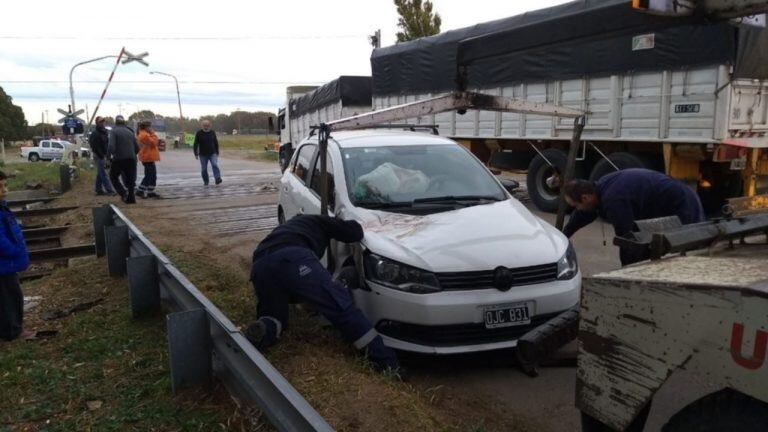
[263,333]
[383,359]
[131,197]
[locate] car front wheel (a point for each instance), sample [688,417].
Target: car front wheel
[33,157]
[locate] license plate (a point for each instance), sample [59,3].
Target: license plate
[506,315]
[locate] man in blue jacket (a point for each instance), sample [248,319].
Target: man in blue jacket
[287,265]
[13,259]
[628,195]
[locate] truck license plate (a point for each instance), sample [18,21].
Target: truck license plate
[507,315]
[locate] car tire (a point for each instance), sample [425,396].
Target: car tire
[620,159]
[725,410]
[33,157]
[543,197]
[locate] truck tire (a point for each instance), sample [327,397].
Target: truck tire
[33,157]
[621,159]
[725,410]
[544,197]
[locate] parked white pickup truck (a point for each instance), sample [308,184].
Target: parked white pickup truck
[50,150]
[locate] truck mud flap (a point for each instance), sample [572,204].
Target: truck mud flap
[541,343]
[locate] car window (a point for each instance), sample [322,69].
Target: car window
[46,144]
[316,184]
[303,161]
[57,145]
[415,172]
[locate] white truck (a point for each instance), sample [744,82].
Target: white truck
[310,105]
[680,96]
[47,149]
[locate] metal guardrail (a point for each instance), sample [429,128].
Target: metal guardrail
[203,342]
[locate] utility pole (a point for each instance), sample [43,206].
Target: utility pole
[178,97]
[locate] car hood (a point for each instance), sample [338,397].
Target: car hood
[480,237]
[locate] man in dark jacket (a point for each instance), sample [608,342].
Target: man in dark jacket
[99,140]
[13,259]
[206,149]
[628,195]
[286,265]
[121,150]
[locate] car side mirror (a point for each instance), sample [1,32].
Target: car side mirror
[510,185]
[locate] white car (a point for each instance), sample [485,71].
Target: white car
[450,262]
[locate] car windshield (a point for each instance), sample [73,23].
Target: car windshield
[406,175]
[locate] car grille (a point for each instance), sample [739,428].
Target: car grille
[457,334]
[484,279]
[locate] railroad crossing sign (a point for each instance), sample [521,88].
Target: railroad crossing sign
[137,58]
[72,124]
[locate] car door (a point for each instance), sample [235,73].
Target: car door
[45,150]
[294,182]
[57,150]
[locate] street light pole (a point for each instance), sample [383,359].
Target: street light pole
[178,97]
[71,88]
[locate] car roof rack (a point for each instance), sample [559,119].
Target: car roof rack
[405,126]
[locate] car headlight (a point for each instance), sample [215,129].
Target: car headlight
[400,276]
[567,266]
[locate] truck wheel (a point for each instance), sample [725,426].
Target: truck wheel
[544,197]
[33,157]
[725,410]
[620,159]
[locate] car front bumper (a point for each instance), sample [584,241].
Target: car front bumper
[451,322]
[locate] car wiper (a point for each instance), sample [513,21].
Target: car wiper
[457,198]
[381,205]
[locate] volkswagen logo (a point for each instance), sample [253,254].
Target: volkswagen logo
[503,278]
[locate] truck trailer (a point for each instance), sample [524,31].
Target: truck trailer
[310,105]
[681,96]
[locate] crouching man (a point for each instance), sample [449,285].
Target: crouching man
[287,265]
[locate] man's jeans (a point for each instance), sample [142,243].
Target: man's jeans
[102,180]
[214,160]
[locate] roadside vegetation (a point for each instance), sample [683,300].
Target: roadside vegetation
[249,146]
[44,173]
[103,370]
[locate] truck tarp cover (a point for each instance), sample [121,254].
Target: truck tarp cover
[572,40]
[350,90]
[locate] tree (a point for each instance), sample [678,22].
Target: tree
[416,20]
[143,115]
[13,125]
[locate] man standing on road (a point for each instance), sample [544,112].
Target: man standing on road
[628,195]
[206,148]
[99,140]
[287,265]
[13,259]
[122,150]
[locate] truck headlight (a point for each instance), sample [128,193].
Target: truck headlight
[567,266]
[400,276]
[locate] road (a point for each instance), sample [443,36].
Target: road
[241,211]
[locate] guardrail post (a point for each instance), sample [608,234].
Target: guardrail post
[190,346]
[64,178]
[143,283]
[102,217]
[117,245]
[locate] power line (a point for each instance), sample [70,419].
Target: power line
[159,82]
[186,38]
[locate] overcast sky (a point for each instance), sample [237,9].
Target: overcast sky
[226,54]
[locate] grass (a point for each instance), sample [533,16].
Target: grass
[104,371]
[46,173]
[251,146]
